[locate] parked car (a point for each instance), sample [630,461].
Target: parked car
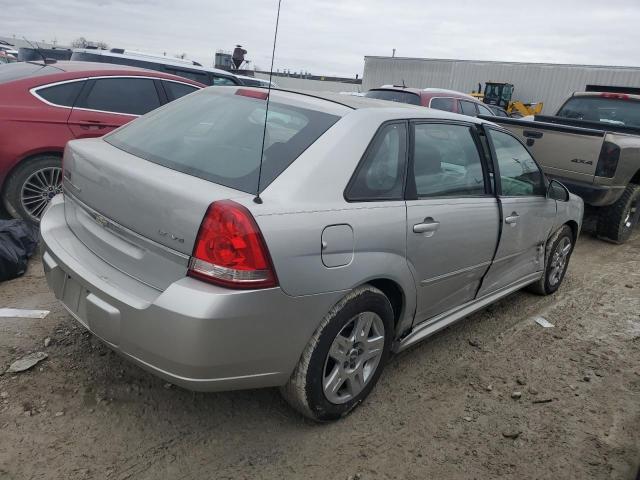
[175,66]
[438,98]
[177,246]
[592,145]
[44,106]
[255,82]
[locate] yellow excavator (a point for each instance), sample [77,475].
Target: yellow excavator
[499,94]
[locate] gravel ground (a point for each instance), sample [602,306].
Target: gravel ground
[495,395]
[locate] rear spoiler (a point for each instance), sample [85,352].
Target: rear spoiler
[613,89]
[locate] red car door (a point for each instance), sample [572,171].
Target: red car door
[107,103]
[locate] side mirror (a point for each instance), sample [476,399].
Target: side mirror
[557,191]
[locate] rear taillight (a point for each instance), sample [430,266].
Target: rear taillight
[608,160]
[230,250]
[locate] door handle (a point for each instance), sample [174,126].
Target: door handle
[532,134]
[512,219]
[428,227]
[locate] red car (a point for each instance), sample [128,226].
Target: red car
[42,107]
[438,98]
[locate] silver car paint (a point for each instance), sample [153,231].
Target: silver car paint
[114,269]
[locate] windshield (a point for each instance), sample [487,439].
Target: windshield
[394,96]
[218,137]
[20,70]
[615,111]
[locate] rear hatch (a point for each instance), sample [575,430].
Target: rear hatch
[137,197]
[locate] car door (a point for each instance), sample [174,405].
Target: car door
[527,213]
[452,216]
[107,103]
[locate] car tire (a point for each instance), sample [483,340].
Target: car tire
[617,221]
[48,165]
[557,255]
[332,377]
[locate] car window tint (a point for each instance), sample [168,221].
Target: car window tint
[64,94]
[519,173]
[176,90]
[380,175]
[468,108]
[217,135]
[222,81]
[446,162]
[201,77]
[485,111]
[446,104]
[135,96]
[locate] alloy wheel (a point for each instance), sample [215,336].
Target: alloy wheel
[38,190]
[353,357]
[559,261]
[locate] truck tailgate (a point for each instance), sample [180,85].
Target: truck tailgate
[562,150]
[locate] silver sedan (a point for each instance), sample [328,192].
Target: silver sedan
[222,254]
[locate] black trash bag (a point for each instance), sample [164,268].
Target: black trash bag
[18,241]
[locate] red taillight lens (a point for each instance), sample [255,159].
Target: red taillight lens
[230,251]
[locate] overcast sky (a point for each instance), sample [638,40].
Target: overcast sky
[332,36]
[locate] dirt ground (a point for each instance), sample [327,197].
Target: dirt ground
[443,410]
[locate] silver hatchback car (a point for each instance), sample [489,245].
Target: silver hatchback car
[376,225]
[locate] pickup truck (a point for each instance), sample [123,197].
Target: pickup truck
[592,145]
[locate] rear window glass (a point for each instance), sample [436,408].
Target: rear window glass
[599,109]
[20,70]
[218,137]
[394,96]
[64,94]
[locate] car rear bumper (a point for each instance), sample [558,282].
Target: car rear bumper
[592,194]
[192,334]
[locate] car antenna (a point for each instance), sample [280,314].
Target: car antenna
[257,198]
[403,85]
[37,49]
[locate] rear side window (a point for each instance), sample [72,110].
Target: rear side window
[190,74]
[485,111]
[64,94]
[217,135]
[380,175]
[446,162]
[134,96]
[468,108]
[446,104]
[223,81]
[176,90]
[394,96]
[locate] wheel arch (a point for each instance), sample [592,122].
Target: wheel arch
[575,229]
[394,292]
[26,158]
[636,178]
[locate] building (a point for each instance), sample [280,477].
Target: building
[533,82]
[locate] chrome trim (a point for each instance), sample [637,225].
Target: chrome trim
[433,325]
[452,274]
[34,91]
[123,232]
